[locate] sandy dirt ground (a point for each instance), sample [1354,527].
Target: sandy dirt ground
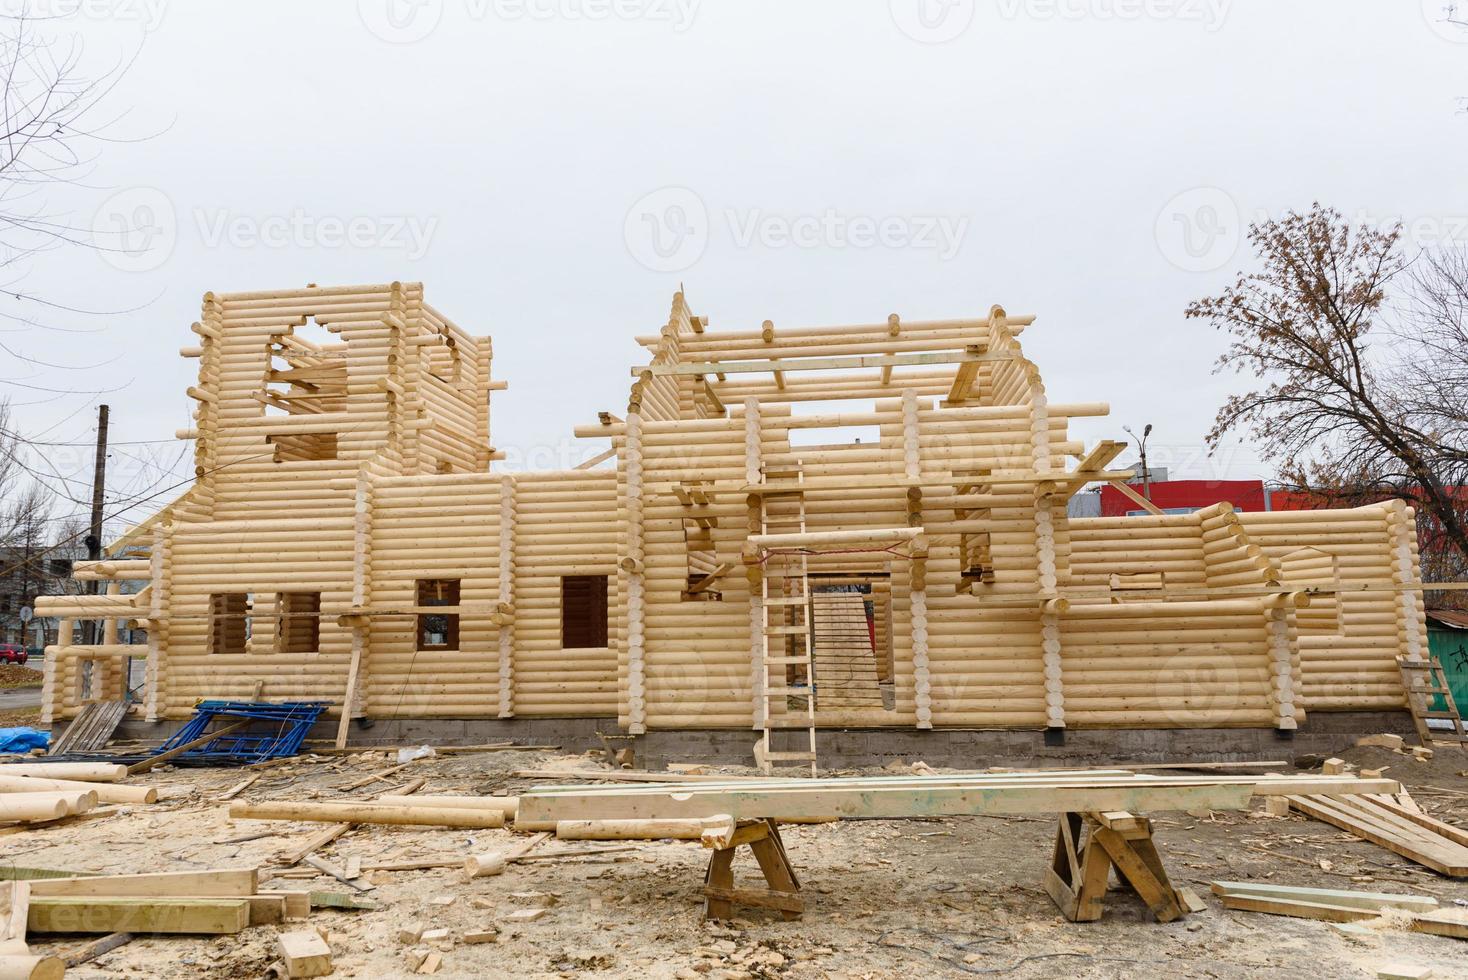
[912,898]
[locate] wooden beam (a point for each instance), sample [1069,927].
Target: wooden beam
[173,916]
[854,362]
[191,884]
[1136,498]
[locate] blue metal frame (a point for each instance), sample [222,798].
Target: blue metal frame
[289,721]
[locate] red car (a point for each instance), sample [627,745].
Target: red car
[11,653]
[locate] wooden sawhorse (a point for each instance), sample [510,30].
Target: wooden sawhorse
[763,838]
[1089,845]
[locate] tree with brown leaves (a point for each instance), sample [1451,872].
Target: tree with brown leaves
[1349,406]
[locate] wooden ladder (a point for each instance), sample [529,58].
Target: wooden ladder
[1425,682]
[785,625]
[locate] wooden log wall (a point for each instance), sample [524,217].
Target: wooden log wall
[357,467]
[1355,668]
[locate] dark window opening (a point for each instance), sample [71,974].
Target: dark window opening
[583,611]
[229,622]
[438,631]
[305,446]
[298,627]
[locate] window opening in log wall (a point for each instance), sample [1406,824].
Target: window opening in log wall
[298,622]
[438,631]
[229,622]
[583,611]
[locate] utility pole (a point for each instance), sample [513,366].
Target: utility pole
[99,486]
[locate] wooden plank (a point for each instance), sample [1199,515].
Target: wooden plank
[1297,909]
[1326,896]
[1135,497]
[917,796]
[1388,805]
[181,916]
[758,898]
[316,840]
[1428,850]
[191,884]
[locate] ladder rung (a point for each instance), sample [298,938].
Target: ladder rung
[789,692]
[791,756]
[787,600]
[800,630]
[787,660]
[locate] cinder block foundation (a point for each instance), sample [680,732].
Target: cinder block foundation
[1325,733]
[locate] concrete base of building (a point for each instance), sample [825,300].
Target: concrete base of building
[1324,734]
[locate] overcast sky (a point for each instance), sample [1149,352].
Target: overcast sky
[552,169]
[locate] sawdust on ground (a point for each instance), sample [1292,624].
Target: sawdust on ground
[885,898]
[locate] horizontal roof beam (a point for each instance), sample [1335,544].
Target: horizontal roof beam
[821,363]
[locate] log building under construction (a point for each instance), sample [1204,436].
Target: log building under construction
[732,565]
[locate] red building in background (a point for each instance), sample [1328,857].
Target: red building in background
[1186,496]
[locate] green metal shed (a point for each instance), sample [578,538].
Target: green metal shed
[1447,638]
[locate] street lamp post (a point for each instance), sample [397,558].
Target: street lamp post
[1142,450]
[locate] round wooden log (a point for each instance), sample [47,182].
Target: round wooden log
[91,772]
[507,805]
[17,966]
[105,792]
[42,806]
[673,829]
[411,816]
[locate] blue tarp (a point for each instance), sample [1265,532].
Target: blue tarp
[23,739]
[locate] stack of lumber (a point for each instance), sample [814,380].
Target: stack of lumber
[42,791]
[1400,829]
[915,796]
[845,663]
[1331,905]
[214,902]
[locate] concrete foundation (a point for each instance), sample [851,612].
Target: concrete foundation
[1324,734]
